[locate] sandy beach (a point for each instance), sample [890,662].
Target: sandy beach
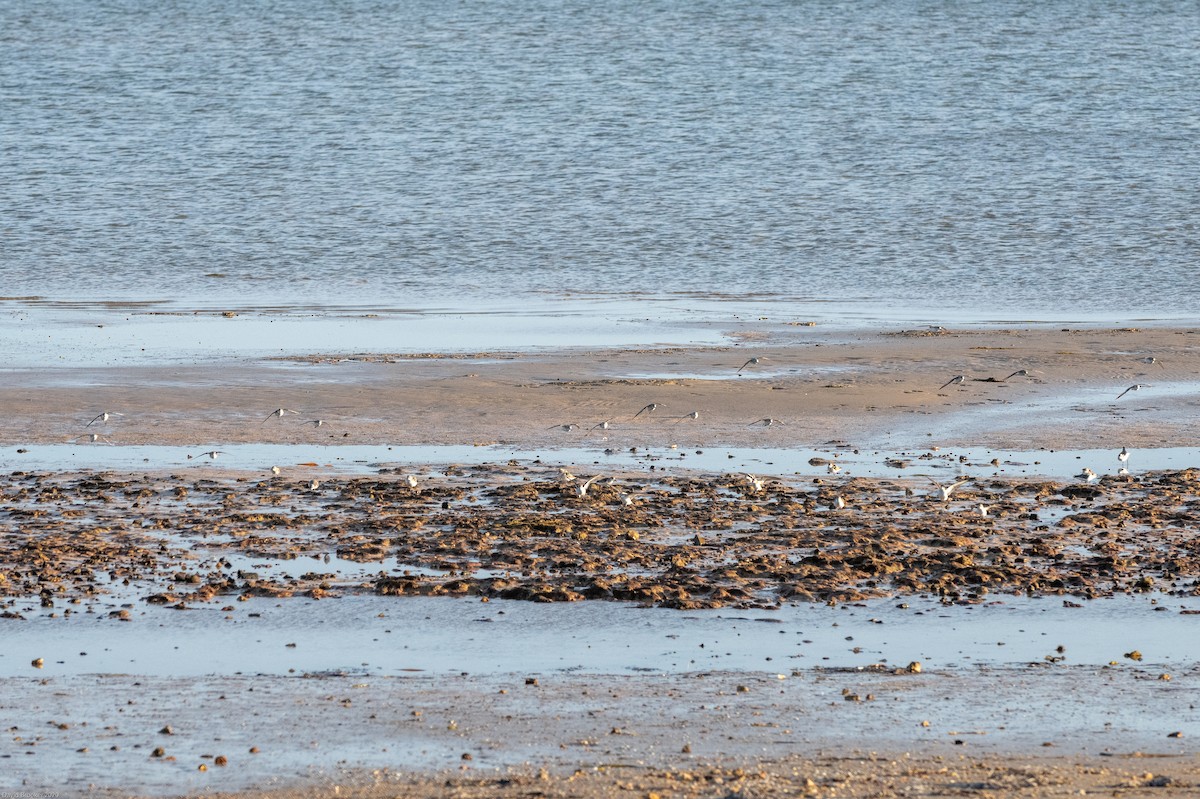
[679,518]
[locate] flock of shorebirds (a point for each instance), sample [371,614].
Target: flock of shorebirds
[942,492]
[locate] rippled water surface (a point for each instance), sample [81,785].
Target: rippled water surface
[1032,157]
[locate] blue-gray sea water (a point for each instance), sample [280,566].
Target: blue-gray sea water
[1029,157]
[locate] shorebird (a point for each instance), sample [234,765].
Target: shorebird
[313,422]
[833,468]
[752,362]
[756,484]
[1087,475]
[983,509]
[566,476]
[566,428]
[412,482]
[211,454]
[314,485]
[1018,373]
[606,424]
[280,412]
[1123,455]
[1151,360]
[946,491]
[1137,387]
[103,418]
[275,470]
[956,380]
[93,438]
[693,415]
[838,503]
[627,499]
[649,409]
[767,422]
[582,488]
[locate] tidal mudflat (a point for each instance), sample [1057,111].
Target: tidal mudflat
[461,582]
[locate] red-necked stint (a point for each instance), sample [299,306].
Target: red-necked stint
[280,412]
[211,454]
[566,428]
[1150,360]
[1137,387]
[1087,475]
[606,424]
[1018,373]
[767,422]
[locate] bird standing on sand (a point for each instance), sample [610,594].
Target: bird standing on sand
[1137,387]
[956,380]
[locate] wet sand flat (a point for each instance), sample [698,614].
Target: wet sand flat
[873,389]
[1023,731]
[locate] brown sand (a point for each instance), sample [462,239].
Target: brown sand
[869,389]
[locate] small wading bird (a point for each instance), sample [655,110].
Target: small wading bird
[1123,455]
[838,503]
[1018,373]
[280,412]
[92,438]
[956,380]
[693,415]
[983,509]
[606,424]
[756,484]
[1137,387]
[211,454]
[566,428]
[649,409]
[1151,360]
[103,418]
[1087,475]
[412,482]
[944,492]
[582,488]
[833,468]
[752,362]
[313,422]
[767,422]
